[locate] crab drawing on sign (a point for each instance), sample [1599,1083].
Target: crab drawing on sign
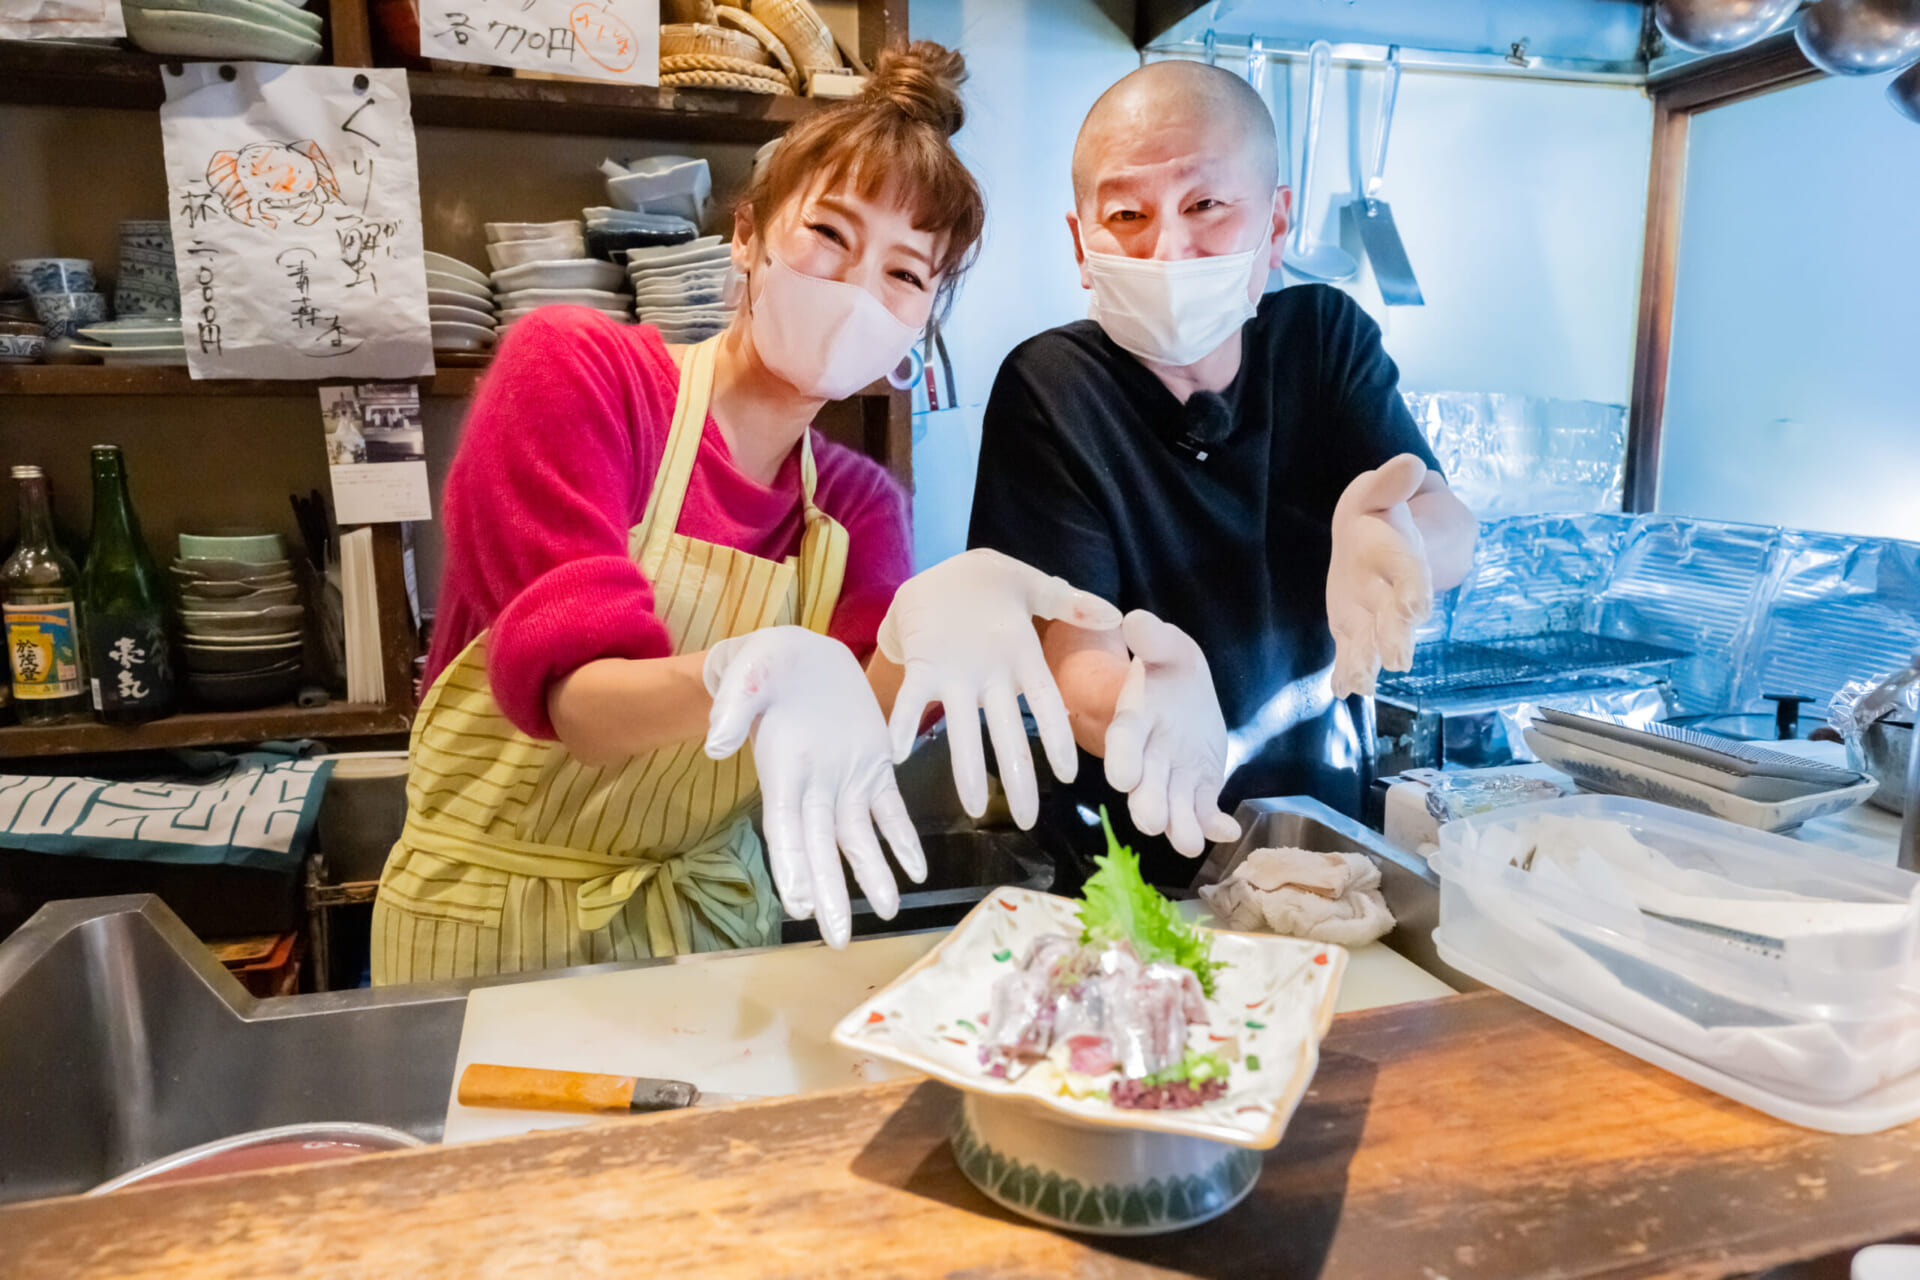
[264,182]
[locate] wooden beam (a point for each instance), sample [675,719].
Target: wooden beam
[352,37]
[1666,181]
[1770,64]
[398,633]
[205,729]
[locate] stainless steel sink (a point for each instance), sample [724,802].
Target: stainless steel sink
[123,1040]
[1410,887]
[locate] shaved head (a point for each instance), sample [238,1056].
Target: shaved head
[1210,107]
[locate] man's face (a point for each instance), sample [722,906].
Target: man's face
[1174,187]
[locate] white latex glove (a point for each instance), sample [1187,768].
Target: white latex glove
[964,632]
[1167,743]
[826,776]
[1379,584]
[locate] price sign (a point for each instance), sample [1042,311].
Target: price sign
[600,39]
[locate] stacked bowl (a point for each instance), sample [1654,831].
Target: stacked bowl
[264,30]
[241,612]
[540,264]
[63,296]
[147,285]
[460,305]
[683,290]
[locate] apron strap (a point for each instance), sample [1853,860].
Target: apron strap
[669,491]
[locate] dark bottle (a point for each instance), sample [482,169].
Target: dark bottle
[123,607]
[42,623]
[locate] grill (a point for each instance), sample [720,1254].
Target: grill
[1456,666]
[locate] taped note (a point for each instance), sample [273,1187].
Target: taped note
[598,39]
[295,201]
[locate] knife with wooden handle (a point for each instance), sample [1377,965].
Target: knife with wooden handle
[534,1089]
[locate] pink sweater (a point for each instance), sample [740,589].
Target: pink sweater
[556,460]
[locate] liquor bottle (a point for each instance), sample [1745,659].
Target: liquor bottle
[123,607]
[39,582]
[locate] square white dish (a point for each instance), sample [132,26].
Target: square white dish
[501,231]
[601,299]
[577,273]
[515,253]
[1275,996]
[668,253]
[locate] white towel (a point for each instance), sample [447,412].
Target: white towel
[1327,897]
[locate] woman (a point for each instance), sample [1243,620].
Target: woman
[648,546]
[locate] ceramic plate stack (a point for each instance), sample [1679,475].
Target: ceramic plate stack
[240,608]
[667,186]
[555,272]
[266,30]
[459,304]
[682,290]
[135,340]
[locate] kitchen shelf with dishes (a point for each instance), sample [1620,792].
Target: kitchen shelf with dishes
[207,728]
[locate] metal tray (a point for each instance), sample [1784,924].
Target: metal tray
[1742,758]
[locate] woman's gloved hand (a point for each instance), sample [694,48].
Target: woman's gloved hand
[963,630]
[826,773]
[1379,585]
[1167,743]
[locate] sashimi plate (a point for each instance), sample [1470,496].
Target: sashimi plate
[1275,997]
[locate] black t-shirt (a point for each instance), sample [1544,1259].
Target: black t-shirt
[1214,514]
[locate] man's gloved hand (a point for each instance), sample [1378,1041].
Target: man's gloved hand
[1167,743]
[1379,585]
[826,773]
[963,630]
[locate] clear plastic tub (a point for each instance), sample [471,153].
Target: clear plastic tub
[1774,962]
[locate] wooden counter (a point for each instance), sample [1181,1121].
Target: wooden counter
[1464,1137]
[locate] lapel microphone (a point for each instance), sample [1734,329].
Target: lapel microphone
[1206,422]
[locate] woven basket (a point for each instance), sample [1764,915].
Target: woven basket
[724,80]
[743,21]
[799,27]
[731,66]
[675,12]
[700,39]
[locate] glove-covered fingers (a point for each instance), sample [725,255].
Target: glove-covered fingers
[1049,714]
[1183,820]
[1011,752]
[1148,802]
[853,827]
[890,812]
[786,843]
[1060,600]
[831,907]
[909,709]
[740,695]
[964,745]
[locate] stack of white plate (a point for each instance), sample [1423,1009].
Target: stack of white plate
[675,185]
[135,340]
[241,612]
[460,305]
[266,30]
[682,290]
[577,282]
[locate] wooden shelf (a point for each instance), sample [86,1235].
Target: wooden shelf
[207,728]
[172,380]
[78,76]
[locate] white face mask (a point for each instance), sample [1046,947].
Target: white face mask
[826,338]
[1170,313]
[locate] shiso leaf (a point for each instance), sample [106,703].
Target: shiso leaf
[1118,905]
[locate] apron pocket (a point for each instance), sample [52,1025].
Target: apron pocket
[433,887]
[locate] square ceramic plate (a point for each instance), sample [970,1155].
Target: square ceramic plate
[579,273]
[1275,996]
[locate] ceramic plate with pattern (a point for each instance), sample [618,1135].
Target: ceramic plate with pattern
[1274,999]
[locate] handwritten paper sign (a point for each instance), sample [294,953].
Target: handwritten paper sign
[60,19]
[600,39]
[295,199]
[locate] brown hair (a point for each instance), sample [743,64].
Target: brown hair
[895,135]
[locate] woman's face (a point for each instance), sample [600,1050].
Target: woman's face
[839,235]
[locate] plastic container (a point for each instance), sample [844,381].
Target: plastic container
[1779,964]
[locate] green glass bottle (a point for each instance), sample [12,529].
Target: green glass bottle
[123,607]
[40,582]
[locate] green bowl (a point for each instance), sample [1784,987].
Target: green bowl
[246,545]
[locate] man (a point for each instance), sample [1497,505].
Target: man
[1241,468]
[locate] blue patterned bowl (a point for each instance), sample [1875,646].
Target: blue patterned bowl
[52,275]
[65,313]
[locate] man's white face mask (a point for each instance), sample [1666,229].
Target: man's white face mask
[1171,313]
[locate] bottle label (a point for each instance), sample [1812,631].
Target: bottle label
[130,663]
[44,649]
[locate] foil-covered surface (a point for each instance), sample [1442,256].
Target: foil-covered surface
[1513,455]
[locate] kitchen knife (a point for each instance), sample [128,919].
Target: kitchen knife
[534,1089]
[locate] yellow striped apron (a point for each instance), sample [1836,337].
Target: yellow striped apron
[516,856]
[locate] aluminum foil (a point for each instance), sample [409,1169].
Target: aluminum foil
[1514,455]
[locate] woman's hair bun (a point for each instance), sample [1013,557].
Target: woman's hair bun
[921,81]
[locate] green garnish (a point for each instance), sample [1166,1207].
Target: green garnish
[1003,955]
[1256,1026]
[962,1022]
[1253,1062]
[1197,1067]
[1120,906]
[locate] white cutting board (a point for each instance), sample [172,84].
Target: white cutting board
[753,1023]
